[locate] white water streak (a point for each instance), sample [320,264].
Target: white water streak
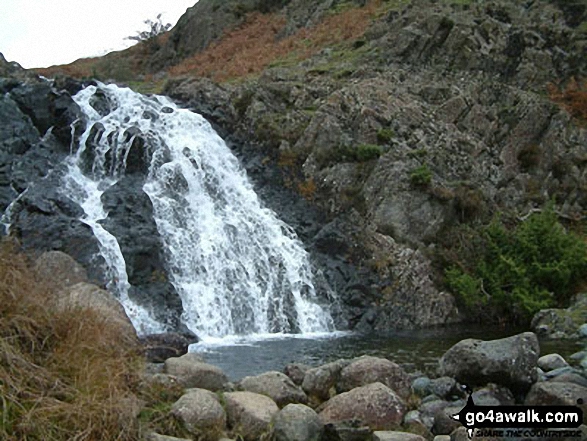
[238,269]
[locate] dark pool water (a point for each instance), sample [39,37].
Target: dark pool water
[414,350]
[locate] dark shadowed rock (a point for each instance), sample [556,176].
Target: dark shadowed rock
[130,220]
[296,372]
[510,362]
[18,132]
[350,430]
[44,219]
[160,347]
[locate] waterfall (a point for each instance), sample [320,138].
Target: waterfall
[238,269]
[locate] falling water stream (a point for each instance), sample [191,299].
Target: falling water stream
[238,269]
[244,279]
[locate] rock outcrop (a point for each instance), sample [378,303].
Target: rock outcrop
[511,362]
[366,370]
[277,386]
[192,372]
[384,152]
[249,414]
[427,125]
[562,322]
[296,422]
[375,405]
[201,412]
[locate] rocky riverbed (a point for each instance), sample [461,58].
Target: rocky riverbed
[368,398]
[363,398]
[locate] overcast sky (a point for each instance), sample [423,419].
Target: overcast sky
[41,33]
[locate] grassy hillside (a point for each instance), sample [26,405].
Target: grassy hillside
[61,376]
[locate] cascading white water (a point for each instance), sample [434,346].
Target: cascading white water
[87,192]
[238,269]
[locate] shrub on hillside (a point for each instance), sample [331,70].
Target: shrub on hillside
[421,176]
[573,98]
[367,152]
[518,272]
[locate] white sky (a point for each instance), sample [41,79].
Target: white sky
[41,33]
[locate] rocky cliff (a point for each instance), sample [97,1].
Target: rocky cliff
[415,134]
[389,147]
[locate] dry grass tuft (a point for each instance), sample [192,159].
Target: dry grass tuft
[63,375]
[573,98]
[307,189]
[253,46]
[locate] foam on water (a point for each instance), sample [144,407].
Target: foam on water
[238,269]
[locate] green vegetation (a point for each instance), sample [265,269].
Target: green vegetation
[385,135]
[147,87]
[421,176]
[520,271]
[362,153]
[367,152]
[418,153]
[460,2]
[158,399]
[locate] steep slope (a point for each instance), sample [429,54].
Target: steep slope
[408,124]
[415,134]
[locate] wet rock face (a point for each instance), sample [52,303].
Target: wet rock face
[33,147]
[159,347]
[130,220]
[451,96]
